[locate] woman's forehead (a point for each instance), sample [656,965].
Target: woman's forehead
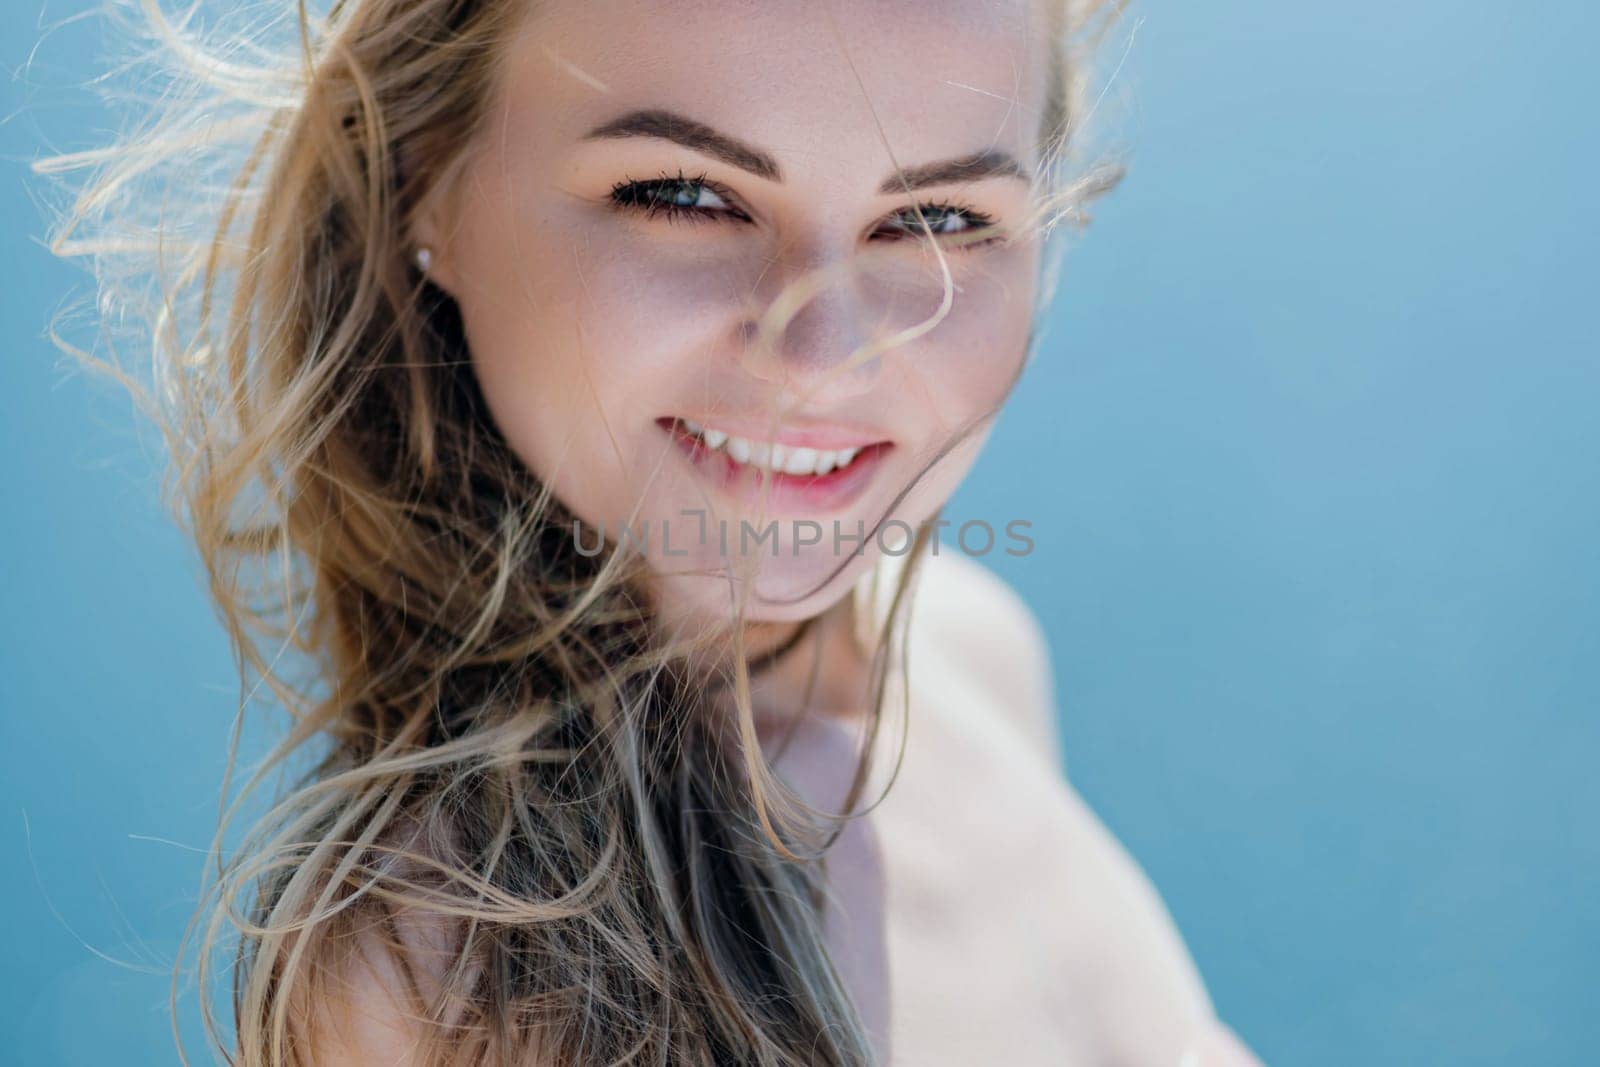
[814,84]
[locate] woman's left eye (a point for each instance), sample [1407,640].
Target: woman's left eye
[947,220]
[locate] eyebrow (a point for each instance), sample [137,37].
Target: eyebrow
[680,129]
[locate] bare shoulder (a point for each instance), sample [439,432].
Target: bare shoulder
[1133,974]
[366,1017]
[1219,1046]
[379,974]
[1141,994]
[971,620]
[377,996]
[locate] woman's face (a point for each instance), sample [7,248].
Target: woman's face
[657,176]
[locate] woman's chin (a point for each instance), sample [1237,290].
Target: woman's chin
[782,590]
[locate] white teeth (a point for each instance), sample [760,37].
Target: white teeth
[784,459]
[801,461]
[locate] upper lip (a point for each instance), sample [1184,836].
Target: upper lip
[787,432]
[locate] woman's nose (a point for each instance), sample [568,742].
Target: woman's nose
[814,336]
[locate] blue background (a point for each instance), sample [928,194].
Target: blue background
[1313,462]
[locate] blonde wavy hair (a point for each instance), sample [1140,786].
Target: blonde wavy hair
[487,729]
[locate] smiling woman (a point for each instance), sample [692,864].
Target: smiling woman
[807,304]
[504,287]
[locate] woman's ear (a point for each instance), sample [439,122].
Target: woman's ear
[428,249]
[425,241]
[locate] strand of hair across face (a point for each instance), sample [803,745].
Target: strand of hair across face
[773,655]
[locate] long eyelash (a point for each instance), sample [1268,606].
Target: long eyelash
[637,195]
[977,218]
[977,222]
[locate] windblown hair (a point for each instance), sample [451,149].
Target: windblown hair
[497,745]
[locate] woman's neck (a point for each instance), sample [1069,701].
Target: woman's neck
[817,665]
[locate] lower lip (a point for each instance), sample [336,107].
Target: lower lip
[789,493]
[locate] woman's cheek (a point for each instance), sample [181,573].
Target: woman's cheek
[989,345]
[613,338]
[968,363]
[650,315]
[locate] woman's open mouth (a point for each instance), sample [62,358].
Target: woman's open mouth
[791,478]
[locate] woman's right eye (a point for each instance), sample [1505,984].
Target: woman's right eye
[675,197]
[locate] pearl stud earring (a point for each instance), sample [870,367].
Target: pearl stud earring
[424,257]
